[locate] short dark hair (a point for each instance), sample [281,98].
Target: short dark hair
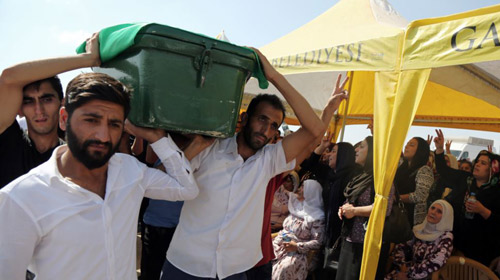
[466,162]
[272,99]
[91,86]
[55,82]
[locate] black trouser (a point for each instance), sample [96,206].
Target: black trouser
[263,272]
[155,242]
[351,255]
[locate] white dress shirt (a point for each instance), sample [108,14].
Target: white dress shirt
[63,231]
[219,232]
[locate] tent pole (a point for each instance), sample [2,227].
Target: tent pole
[351,78]
[335,124]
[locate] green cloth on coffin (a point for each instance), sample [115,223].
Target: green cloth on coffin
[116,39]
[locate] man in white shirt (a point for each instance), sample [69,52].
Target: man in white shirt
[75,216]
[219,232]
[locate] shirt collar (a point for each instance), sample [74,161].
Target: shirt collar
[51,170]
[229,145]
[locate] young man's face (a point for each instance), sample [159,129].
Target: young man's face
[41,109]
[94,132]
[262,126]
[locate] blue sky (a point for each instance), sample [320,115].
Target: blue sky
[33,29]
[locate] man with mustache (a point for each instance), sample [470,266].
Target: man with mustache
[219,232]
[75,216]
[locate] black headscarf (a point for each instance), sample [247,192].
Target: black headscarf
[344,170]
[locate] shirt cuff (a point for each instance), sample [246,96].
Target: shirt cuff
[165,147]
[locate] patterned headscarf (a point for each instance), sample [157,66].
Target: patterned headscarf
[430,232]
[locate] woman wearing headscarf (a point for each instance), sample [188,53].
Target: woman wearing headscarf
[414,179]
[431,247]
[342,162]
[477,218]
[303,231]
[279,210]
[359,194]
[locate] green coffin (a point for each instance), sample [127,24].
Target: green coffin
[183,81]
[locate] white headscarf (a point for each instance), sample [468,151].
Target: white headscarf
[430,232]
[311,209]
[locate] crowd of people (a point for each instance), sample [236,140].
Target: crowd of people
[254,206]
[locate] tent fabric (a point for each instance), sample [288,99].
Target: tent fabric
[396,109]
[364,38]
[397,95]
[222,36]
[461,39]
[480,80]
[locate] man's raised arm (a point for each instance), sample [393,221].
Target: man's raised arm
[333,103]
[14,78]
[312,126]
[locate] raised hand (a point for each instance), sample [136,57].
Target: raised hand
[327,139]
[429,139]
[448,145]
[269,70]
[338,94]
[439,141]
[92,48]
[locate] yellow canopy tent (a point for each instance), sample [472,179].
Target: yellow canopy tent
[359,35]
[368,40]
[443,44]
[397,91]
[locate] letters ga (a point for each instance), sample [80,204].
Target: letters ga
[467,37]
